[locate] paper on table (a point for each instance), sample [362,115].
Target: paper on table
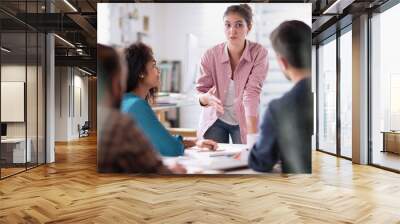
[196,161]
[198,149]
[222,150]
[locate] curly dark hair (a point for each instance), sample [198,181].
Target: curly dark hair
[137,56]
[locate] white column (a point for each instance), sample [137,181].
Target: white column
[360,90]
[314,92]
[50,99]
[50,92]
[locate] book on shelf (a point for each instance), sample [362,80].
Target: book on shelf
[170,84]
[170,76]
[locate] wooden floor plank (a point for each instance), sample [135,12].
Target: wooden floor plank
[71,191]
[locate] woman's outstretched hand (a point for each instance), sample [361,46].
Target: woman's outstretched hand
[177,168]
[207,143]
[189,142]
[209,99]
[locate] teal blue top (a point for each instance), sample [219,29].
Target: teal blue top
[138,109]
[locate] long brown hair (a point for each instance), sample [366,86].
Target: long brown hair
[243,10]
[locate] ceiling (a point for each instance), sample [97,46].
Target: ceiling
[76,23]
[75,43]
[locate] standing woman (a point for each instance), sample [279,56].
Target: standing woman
[231,79]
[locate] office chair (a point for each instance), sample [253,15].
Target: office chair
[84,130]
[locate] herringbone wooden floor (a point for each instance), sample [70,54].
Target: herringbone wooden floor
[70,191]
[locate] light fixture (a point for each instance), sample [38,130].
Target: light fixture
[338,6]
[5,50]
[80,51]
[70,5]
[86,72]
[65,41]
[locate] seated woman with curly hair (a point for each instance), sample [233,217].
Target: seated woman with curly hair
[143,80]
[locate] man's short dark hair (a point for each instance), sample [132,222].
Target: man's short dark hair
[292,40]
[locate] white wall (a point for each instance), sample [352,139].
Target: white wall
[33,125]
[171,23]
[12,73]
[61,103]
[179,21]
[80,83]
[68,81]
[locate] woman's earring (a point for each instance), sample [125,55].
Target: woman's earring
[141,76]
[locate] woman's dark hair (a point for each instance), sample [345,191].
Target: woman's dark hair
[137,56]
[243,10]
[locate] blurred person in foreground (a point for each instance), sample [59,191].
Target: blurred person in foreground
[122,147]
[288,122]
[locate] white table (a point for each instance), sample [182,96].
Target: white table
[223,160]
[19,154]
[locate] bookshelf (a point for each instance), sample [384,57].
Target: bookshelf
[170,77]
[170,83]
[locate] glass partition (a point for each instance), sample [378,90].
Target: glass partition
[31,98]
[14,154]
[41,91]
[22,89]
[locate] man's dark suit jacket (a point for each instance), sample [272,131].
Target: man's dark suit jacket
[285,133]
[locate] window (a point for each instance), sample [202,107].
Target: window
[327,96]
[385,89]
[346,94]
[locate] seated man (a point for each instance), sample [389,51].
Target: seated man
[288,123]
[122,147]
